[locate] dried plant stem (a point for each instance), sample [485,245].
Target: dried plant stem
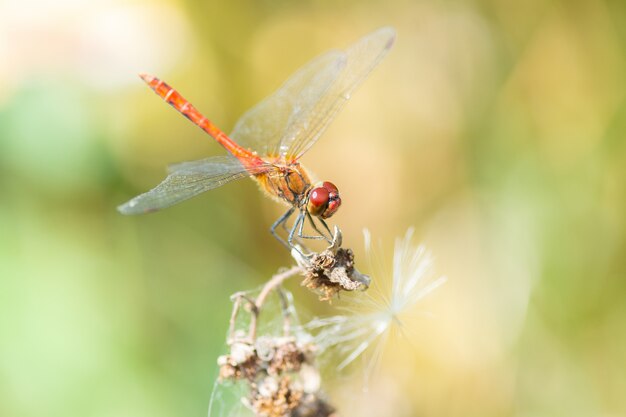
[272,284]
[255,306]
[237,299]
[275,282]
[284,306]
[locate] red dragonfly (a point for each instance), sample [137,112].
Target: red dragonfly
[269,139]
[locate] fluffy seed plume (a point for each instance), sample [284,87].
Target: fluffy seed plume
[373,314]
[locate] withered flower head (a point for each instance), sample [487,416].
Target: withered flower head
[275,397]
[331,271]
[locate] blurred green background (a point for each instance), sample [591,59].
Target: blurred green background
[496,128]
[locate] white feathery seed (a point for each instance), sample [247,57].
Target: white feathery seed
[371,316]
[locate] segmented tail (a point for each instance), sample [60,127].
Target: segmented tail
[173,97]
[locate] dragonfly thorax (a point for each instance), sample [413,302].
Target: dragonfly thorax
[288,183]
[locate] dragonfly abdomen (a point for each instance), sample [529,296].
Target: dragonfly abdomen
[175,99]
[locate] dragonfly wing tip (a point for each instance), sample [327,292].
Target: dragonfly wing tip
[391,33]
[122,209]
[127,208]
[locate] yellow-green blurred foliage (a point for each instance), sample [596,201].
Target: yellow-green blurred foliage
[496,128]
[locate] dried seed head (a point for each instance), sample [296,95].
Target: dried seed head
[270,355]
[241,363]
[289,357]
[246,370]
[275,397]
[241,352]
[265,348]
[331,270]
[278,370]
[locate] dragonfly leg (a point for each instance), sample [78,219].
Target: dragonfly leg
[299,220]
[326,227]
[287,230]
[321,235]
[305,214]
[281,221]
[292,235]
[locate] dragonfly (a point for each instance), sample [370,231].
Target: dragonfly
[268,141]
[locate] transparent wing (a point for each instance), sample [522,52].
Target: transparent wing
[187,180]
[262,128]
[361,58]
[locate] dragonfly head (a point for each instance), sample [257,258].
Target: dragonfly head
[323,200]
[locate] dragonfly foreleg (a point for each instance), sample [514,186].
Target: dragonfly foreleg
[282,220]
[326,227]
[299,220]
[287,230]
[320,235]
[292,234]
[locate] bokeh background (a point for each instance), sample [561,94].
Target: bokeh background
[495,128]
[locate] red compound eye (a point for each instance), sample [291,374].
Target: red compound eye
[330,187]
[324,200]
[319,197]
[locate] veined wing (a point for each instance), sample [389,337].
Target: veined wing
[263,127]
[361,58]
[187,180]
